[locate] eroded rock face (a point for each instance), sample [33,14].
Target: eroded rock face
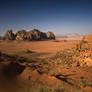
[36,34]
[32,35]
[50,35]
[21,35]
[9,35]
[29,36]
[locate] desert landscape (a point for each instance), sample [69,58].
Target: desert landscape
[45,45]
[50,65]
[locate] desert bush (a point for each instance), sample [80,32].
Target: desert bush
[60,90]
[56,41]
[84,83]
[28,51]
[46,88]
[65,40]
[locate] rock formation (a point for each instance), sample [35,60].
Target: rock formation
[9,35]
[50,35]
[21,35]
[32,35]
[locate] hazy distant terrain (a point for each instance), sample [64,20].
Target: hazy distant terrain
[69,36]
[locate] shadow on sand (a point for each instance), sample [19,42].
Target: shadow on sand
[65,78]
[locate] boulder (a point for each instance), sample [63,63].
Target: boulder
[50,35]
[21,35]
[9,35]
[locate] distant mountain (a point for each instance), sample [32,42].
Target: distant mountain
[72,36]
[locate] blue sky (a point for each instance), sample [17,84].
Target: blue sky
[58,16]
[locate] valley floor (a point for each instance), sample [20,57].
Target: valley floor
[41,74]
[40,48]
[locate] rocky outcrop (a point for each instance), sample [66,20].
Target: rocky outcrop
[32,35]
[50,35]
[9,35]
[21,35]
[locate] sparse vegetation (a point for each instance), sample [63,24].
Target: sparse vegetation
[68,57]
[45,88]
[85,83]
[65,57]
